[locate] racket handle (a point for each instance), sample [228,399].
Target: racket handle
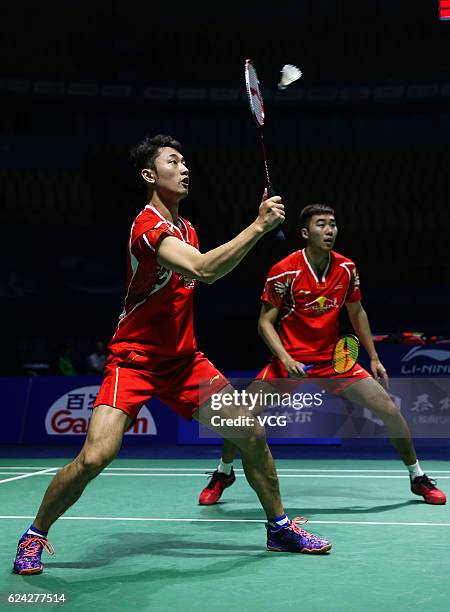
[271,192]
[308,367]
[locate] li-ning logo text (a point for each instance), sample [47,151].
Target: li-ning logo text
[434,361]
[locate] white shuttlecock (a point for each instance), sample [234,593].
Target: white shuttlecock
[289,74]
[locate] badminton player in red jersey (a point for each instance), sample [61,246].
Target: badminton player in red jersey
[302,297]
[153,353]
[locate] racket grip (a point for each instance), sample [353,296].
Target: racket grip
[308,367]
[271,192]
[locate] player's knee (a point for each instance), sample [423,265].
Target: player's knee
[92,462]
[254,436]
[386,408]
[258,433]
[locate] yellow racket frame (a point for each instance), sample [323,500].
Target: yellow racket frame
[345,354]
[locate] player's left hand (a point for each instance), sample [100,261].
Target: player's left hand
[379,372]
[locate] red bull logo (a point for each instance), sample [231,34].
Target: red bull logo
[321,304]
[70,414]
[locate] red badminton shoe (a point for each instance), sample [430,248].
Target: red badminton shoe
[424,486]
[215,487]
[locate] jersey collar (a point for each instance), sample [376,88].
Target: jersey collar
[325,272]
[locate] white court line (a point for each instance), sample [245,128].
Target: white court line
[280,475]
[209,469]
[24,467]
[27,475]
[187,475]
[341,471]
[204,520]
[279,470]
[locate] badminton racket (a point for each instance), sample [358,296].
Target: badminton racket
[256,102]
[345,355]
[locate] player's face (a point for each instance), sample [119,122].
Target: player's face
[172,175]
[322,232]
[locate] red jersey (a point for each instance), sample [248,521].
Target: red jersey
[157,315]
[308,319]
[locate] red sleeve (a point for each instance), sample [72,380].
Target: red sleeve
[277,284]
[354,289]
[153,236]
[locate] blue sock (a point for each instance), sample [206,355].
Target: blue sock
[35,531]
[275,524]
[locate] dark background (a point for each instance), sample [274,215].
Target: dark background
[367,130]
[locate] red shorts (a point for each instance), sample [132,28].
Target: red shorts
[335,383]
[132,377]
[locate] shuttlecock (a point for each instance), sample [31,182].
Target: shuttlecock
[289,74]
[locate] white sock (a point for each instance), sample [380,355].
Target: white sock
[415,470]
[225,468]
[42,534]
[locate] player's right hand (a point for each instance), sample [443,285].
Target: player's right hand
[271,212]
[294,368]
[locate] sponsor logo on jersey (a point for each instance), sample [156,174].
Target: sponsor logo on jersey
[70,414]
[321,304]
[163,276]
[188,283]
[422,360]
[282,287]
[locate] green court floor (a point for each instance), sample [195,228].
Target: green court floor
[137,540]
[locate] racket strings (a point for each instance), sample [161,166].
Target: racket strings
[345,354]
[254,94]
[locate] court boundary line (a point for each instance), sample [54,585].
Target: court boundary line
[51,472]
[215,520]
[208,469]
[27,475]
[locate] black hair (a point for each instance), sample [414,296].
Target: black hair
[313,209]
[143,155]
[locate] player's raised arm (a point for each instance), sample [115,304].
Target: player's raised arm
[208,267]
[266,329]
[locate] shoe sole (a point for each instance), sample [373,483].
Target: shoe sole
[28,572]
[309,551]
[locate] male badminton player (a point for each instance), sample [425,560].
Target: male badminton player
[302,297]
[153,353]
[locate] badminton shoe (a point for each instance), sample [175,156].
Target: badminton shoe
[215,487]
[295,539]
[29,550]
[424,486]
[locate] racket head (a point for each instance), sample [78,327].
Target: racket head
[254,93]
[345,354]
